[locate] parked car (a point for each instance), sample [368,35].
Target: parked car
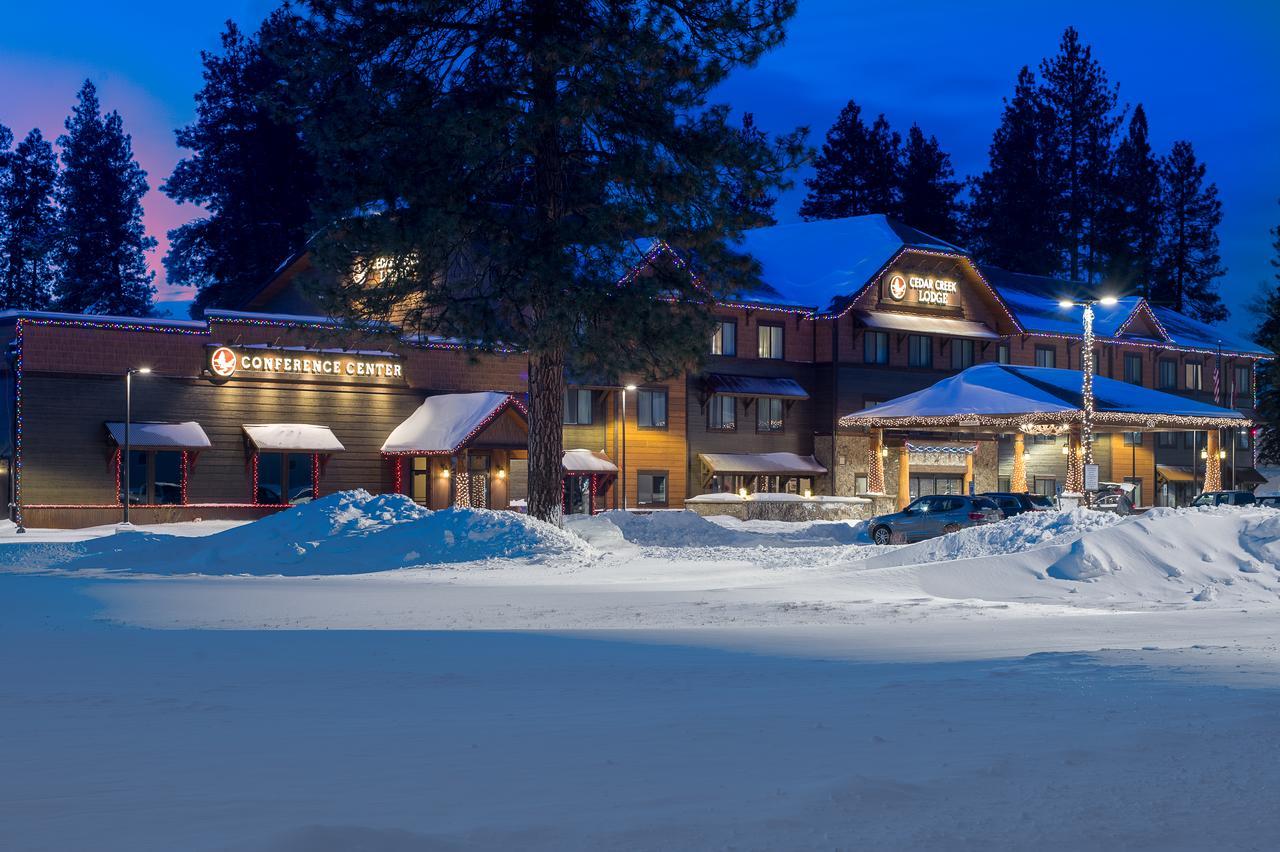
[1120,504]
[1225,498]
[1271,501]
[934,515]
[1014,503]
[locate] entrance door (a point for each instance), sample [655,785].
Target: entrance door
[478,469]
[577,495]
[420,480]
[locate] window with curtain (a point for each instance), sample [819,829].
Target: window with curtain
[768,414]
[724,340]
[1168,374]
[961,354]
[651,408]
[1046,356]
[723,413]
[920,350]
[770,341]
[875,347]
[1133,369]
[577,407]
[1193,374]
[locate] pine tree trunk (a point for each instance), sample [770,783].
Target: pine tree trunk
[546,438]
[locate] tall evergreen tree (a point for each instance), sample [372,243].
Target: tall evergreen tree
[755,201]
[517,151]
[857,170]
[1268,377]
[6,142]
[1012,220]
[102,256]
[1130,236]
[928,189]
[1188,257]
[248,169]
[29,235]
[1076,91]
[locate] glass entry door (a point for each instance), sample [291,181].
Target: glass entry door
[577,495]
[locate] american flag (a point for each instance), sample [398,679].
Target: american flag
[1217,378]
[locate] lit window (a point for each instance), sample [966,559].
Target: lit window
[651,408]
[724,340]
[769,415]
[770,337]
[1194,375]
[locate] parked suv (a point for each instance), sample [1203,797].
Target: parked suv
[1225,498]
[934,515]
[1271,501]
[1014,503]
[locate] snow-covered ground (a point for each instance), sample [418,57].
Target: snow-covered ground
[360,673]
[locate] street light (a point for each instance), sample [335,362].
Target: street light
[623,483]
[128,427]
[1086,367]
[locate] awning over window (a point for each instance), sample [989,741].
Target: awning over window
[1246,476]
[585,461]
[293,437]
[1174,473]
[446,423]
[762,463]
[161,436]
[924,324]
[730,385]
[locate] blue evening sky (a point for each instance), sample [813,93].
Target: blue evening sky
[1207,72]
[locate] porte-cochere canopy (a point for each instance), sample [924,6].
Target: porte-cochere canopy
[1006,397]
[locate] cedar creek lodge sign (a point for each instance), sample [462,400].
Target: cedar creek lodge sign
[922,289]
[226,362]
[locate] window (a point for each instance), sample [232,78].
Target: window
[1242,439]
[1046,485]
[875,347]
[1002,353]
[1133,369]
[860,484]
[651,488]
[1044,439]
[1191,440]
[651,408]
[1243,385]
[156,478]
[961,354]
[1133,439]
[1193,373]
[723,413]
[1168,374]
[768,414]
[924,486]
[1046,356]
[1002,483]
[577,407]
[724,340]
[920,350]
[285,478]
[1166,440]
[770,337]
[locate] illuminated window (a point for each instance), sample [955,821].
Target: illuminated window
[770,340]
[724,340]
[651,408]
[769,414]
[1193,374]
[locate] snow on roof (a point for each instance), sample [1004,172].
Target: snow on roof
[996,390]
[187,435]
[9,316]
[586,461]
[923,324]
[444,423]
[769,463]
[301,437]
[813,264]
[1185,331]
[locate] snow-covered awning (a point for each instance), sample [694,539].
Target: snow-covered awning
[293,437]
[762,463]
[773,386]
[585,461]
[1174,473]
[186,435]
[445,424]
[923,324]
[1006,396]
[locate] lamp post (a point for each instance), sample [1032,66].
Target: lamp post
[128,427]
[623,484]
[1086,368]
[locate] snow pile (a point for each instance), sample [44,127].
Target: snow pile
[689,529]
[351,532]
[1027,531]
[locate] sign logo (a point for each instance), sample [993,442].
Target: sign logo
[222,363]
[897,287]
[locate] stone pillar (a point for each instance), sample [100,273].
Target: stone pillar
[875,462]
[904,476]
[1212,464]
[1075,463]
[968,472]
[1018,479]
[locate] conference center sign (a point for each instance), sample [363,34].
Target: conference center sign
[226,362]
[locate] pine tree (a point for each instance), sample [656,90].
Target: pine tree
[510,156]
[1188,256]
[857,170]
[248,169]
[6,142]
[1268,377]
[1076,91]
[28,237]
[755,201]
[1130,236]
[928,188]
[1012,220]
[102,256]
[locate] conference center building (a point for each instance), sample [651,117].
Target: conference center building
[873,360]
